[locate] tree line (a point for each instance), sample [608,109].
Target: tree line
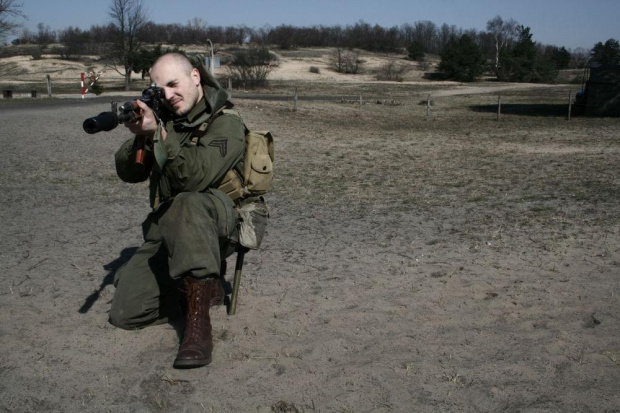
[506,48]
[516,57]
[423,36]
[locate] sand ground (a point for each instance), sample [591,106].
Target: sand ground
[452,264]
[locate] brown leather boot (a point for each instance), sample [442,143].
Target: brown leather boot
[217,293]
[197,345]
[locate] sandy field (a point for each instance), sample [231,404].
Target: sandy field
[450,264]
[288,66]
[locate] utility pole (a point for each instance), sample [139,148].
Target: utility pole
[211,63]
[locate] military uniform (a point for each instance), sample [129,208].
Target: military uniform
[193,225]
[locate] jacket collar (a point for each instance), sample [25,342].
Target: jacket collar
[199,114]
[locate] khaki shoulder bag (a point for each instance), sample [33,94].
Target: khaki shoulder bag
[257,166]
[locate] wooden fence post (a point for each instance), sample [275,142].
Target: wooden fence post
[570,102]
[499,105]
[428,106]
[295,101]
[49,86]
[360,100]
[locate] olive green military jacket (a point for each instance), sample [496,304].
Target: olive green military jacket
[182,162]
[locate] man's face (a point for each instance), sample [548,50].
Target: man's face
[182,89]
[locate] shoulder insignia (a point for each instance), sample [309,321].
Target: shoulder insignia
[221,144]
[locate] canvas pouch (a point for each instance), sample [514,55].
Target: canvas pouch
[253,217]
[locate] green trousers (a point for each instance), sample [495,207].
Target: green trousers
[188,236]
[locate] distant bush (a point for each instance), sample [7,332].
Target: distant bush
[314,69]
[97,88]
[415,51]
[254,56]
[37,53]
[250,67]
[391,71]
[345,61]
[424,65]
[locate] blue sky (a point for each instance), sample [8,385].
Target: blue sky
[569,23]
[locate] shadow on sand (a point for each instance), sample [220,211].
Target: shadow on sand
[111,267]
[527,109]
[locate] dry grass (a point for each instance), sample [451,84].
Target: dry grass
[450,263]
[531,168]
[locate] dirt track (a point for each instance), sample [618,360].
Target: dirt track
[457,264]
[474,90]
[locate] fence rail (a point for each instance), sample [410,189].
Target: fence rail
[505,102]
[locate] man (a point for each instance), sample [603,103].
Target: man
[193,226]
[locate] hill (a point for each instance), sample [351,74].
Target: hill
[23,71]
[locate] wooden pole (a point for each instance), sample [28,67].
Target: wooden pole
[570,102]
[49,86]
[232,307]
[295,101]
[360,100]
[499,105]
[428,106]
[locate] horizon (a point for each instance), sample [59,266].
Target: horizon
[572,25]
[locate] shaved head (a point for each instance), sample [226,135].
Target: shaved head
[178,59]
[180,80]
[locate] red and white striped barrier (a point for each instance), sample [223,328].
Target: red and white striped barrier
[82,76]
[92,77]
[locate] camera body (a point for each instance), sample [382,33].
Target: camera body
[127,112]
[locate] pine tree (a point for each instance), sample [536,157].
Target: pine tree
[462,59]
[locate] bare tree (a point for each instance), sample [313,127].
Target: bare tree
[25,36]
[392,71]
[407,33]
[9,11]
[345,61]
[198,30]
[579,58]
[447,33]
[45,35]
[426,33]
[504,33]
[129,17]
[260,35]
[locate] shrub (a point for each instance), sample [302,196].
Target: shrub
[415,51]
[314,69]
[424,65]
[37,54]
[345,61]
[391,71]
[97,88]
[250,67]
[254,56]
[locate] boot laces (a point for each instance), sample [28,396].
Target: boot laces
[197,297]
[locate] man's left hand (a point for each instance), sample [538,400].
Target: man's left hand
[146,124]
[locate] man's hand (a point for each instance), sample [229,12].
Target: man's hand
[146,124]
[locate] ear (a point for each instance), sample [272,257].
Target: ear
[196,76]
